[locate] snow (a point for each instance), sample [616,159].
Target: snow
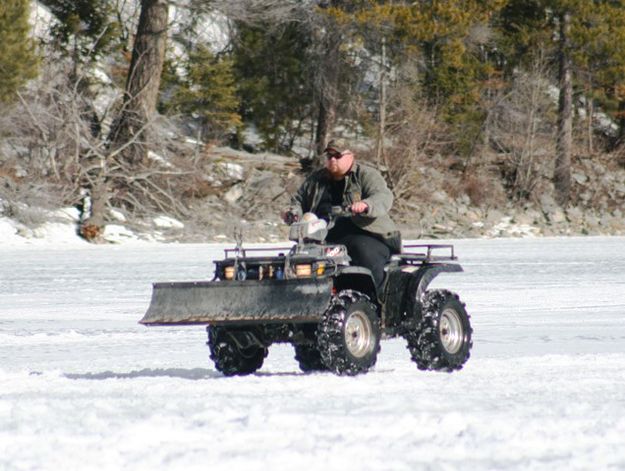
[83,386]
[166,222]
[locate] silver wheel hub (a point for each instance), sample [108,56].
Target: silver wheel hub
[451,331]
[358,334]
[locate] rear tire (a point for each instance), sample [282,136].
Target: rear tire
[229,356]
[442,339]
[349,334]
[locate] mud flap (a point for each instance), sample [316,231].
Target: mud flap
[223,302]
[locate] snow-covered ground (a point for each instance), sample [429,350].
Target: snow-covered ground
[83,386]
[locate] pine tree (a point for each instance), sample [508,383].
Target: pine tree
[451,41]
[447,36]
[585,41]
[86,29]
[18,59]
[272,67]
[208,93]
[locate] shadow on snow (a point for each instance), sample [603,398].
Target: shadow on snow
[192,374]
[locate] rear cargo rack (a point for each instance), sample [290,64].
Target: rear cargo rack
[419,253]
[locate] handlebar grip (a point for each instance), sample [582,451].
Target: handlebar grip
[340,211]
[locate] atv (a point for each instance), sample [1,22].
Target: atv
[330,311]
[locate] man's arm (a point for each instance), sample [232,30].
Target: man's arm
[376,194]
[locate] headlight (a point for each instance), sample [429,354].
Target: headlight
[229,273]
[303,270]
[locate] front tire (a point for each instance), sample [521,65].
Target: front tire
[442,340]
[231,357]
[349,334]
[309,358]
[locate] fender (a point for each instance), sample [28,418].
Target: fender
[427,273]
[357,278]
[405,288]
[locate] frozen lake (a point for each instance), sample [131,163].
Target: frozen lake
[83,386]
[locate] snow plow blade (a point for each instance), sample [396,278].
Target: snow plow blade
[222,302]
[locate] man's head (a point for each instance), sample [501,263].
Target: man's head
[339,159]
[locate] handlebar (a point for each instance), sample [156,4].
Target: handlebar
[336,212]
[340,212]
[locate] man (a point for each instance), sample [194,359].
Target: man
[369,234]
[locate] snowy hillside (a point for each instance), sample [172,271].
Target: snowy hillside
[84,387]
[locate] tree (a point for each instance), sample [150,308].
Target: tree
[208,93]
[328,39]
[142,83]
[85,30]
[601,63]
[583,40]
[129,135]
[564,137]
[449,40]
[18,59]
[272,66]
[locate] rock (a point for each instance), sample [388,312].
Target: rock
[115,233]
[585,196]
[557,216]
[439,197]
[234,171]
[234,194]
[166,222]
[473,216]
[117,215]
[575,215]
[579,177]
[591,220]
[547,203]
[525,218]
[494,216]
[462,209]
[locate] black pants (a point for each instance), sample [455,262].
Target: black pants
[364,249]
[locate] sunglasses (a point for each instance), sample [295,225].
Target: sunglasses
[332,154]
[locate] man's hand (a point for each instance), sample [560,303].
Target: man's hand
[359,207]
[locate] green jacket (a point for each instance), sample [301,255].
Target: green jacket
[363,183]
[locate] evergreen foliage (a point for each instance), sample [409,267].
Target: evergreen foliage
[86,29]
[18,57]
[530,27]
[208,93]
[275,81]
[421,81]
[452,44]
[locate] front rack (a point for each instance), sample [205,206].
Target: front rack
[241,252]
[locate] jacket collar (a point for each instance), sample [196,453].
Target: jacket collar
[353,169]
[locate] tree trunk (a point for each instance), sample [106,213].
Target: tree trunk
[564,140]
[327,89]
[621,121]
[128,136]
[590,117]
[143,81]
[379,148]
[327,82]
